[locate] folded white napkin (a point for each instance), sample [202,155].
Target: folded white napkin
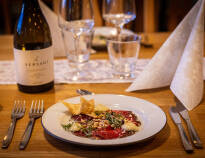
[52,20]
[179,61]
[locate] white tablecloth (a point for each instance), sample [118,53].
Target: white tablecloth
[100,69]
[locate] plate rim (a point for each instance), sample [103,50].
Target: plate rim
[100,145]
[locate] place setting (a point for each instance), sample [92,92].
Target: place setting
[123,50]
[96,92]
[177,55]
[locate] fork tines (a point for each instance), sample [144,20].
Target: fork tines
[34,108]
[19,106]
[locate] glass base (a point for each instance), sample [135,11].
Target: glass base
[79,72]
[78,76]
[124,75]
[124,70]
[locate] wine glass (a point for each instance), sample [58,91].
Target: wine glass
[75,19]
[119,12]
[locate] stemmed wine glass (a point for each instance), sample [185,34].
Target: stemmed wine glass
[75,19]
[119,12]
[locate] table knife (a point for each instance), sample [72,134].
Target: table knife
[193,134]
[176,118]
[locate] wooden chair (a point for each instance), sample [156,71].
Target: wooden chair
[6,15]
[150,17]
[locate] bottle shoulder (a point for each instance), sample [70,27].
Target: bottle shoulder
[32,29]
[32,23]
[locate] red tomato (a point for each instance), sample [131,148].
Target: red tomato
[127,114]
[108,134]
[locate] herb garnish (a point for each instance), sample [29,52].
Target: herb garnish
[114,119]
[66,127]
[87,131]
[98,113]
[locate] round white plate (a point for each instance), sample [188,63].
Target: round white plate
[108,31]
[105,32]
[152,117]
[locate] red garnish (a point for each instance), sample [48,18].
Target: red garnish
[106,125]
[108,134]
[128,115]
[81,117]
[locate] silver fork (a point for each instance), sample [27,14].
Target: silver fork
[35,112]
[18,112]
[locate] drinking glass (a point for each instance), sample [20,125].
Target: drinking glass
[76,22]
[123,55]
[119,12]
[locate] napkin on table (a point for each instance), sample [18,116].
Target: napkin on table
[59,37]
[187,84]
[52,20]
[179,61]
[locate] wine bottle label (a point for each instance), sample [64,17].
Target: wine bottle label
[34,67]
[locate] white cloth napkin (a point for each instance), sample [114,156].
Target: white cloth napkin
[52,20]
[179,61]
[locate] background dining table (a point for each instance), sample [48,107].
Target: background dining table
[166,143]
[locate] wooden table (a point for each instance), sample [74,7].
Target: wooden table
[165,144]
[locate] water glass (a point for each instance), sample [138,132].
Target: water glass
[84,47]
[123,54]
[78,61]
[76,21]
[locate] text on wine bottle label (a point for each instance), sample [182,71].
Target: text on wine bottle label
[34,67]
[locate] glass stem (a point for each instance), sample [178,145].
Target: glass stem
[76,55]
[64,43]
[119,31]
[76,45]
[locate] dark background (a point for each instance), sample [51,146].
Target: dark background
[168,13]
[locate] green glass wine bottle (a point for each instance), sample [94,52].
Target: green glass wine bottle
[33,50]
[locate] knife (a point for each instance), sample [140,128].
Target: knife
[193,134]
[176,118]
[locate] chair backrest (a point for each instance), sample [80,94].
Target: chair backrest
[149,18]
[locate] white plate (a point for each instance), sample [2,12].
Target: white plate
[152,117]
[108,31]
[103,33]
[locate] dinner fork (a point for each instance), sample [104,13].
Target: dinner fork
[18,112]
[35,112]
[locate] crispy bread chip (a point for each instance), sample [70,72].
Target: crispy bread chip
[87,106]
[73,108]
[92,115]
[101,107]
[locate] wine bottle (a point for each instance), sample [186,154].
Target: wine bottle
[33,50]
